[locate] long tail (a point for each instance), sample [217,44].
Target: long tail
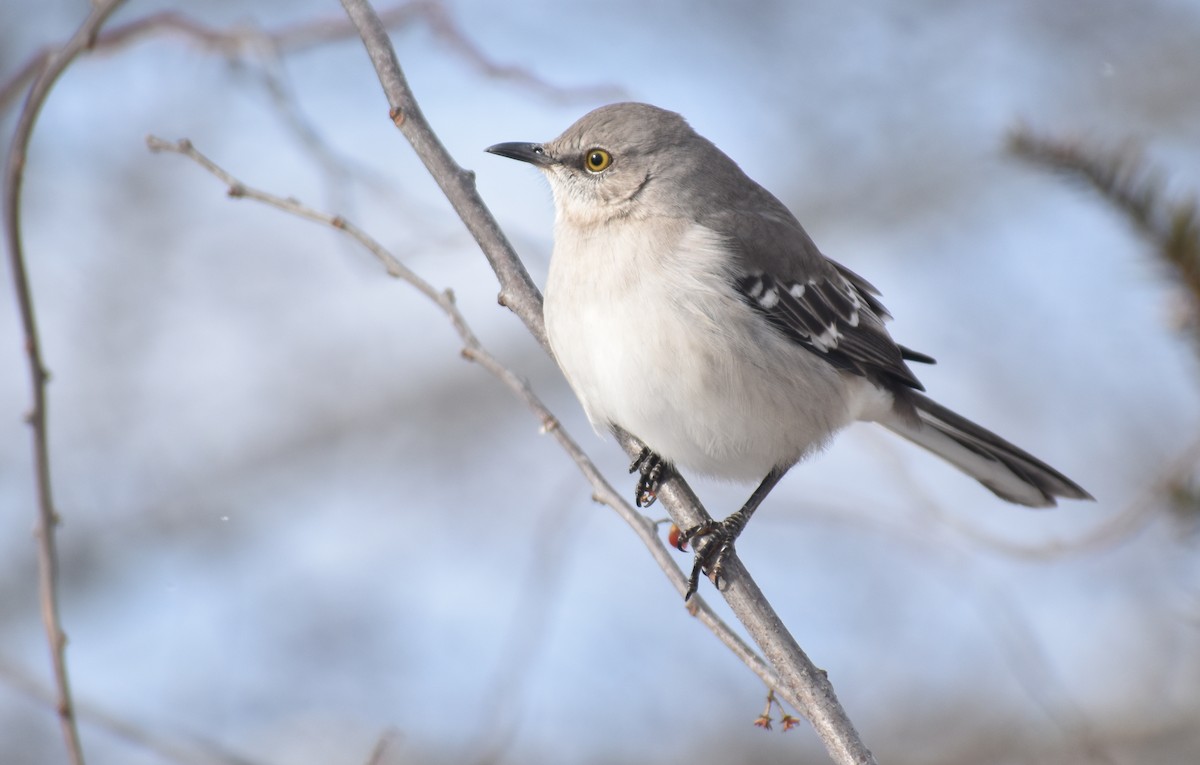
[1010,472]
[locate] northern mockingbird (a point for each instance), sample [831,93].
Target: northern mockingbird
[687,306]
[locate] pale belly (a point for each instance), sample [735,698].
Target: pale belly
[655,363]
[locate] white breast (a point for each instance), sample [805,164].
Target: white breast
[644,321]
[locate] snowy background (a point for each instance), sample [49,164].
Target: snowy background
[294,518]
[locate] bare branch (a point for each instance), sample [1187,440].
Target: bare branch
[14,174]
[803,685]
[473,350]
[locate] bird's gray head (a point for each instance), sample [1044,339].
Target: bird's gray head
[624,160]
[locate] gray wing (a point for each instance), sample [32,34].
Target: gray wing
[821,305]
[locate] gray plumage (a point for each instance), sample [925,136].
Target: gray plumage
[687,305]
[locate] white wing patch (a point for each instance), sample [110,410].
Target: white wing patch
[830,315]
[836,299]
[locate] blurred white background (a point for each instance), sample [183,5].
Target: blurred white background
[295,518]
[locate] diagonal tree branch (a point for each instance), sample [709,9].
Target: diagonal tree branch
[14,174]
[473,350]
[802,683]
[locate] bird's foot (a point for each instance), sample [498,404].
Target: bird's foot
[716,538]
[651,467]
[713,543]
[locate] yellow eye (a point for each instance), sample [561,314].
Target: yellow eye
[596,160]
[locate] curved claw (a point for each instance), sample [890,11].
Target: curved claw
[717,545]
[711,552]
[651,467]
[645,494]
[693,582]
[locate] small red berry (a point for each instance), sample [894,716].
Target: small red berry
[675,538]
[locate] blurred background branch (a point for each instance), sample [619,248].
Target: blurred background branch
[248,39]
[43,78]
[1128,180]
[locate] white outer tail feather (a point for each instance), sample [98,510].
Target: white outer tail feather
[1008,471]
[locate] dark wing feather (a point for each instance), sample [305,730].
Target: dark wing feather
[818,303]
[830,319]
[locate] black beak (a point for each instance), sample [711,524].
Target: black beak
[533,153]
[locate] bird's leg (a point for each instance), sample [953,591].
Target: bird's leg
[717,537]
[651,467]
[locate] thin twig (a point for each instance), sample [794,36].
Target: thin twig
[473,350]
[802,684]
[14,176]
